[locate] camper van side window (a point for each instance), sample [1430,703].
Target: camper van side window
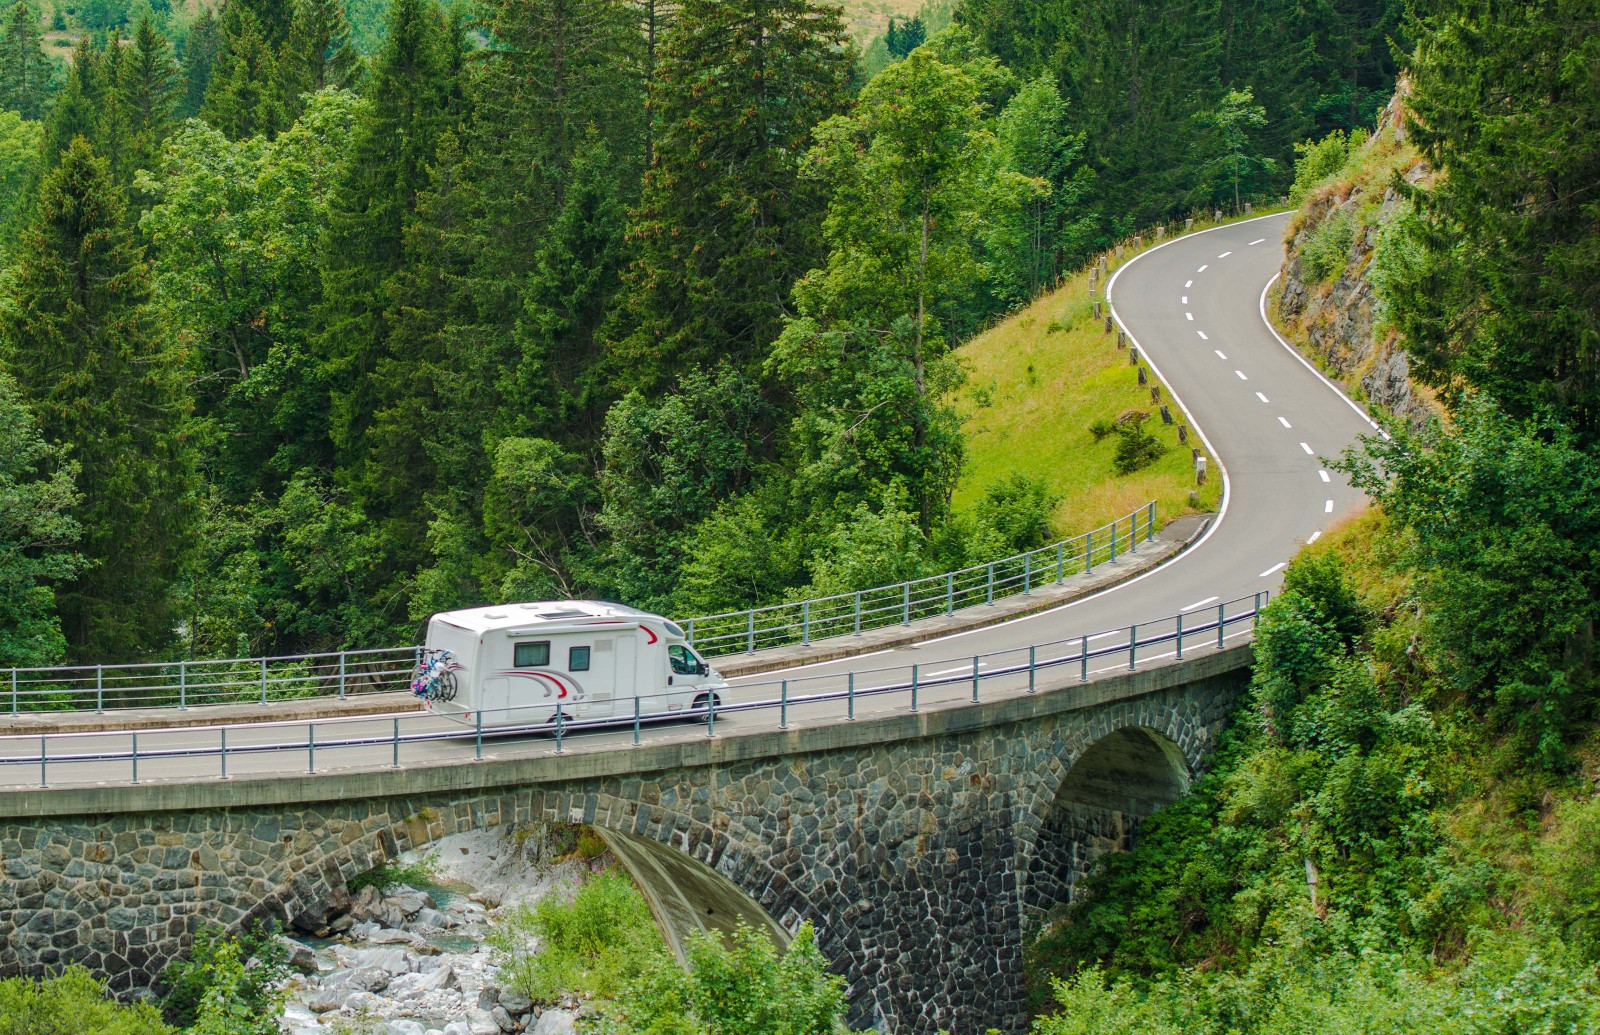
[531,655]
[578,659]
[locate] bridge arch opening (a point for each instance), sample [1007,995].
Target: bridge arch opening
[1110,790]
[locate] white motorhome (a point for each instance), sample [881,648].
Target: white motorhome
[522,664]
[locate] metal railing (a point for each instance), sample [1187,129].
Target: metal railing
[376,743]
[224,681]
[350,673]
[845,614]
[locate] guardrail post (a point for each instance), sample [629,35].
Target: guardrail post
[1083,658]
[949,597]
[1027,573]
[1032,665]
[805,622]
[850,697]
[1255,612]
[711,714]
[13,691]
[783,706]
[1061,563]
[341,675]
[1088,552]
[858,614]
[905,603]
[915,673]
[1133,532]
[750,647]
[1113,540]
[396,763]
[223,754]
[311,747]
[975,679]
[1220,624]
[478,737]
[1133,645]
[1150,522]
[136,758]
[988,592]
[263,682]
[689,632]
[183,686]
[1180,635]
[42,782]
[635,720]
[100,689]
[559,717]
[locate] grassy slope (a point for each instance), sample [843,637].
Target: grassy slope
[1034,384]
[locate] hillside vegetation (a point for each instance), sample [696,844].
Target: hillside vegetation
[1401,831]
[341,322]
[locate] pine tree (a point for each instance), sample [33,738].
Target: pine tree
[317,53]
[147,92]
[242,97]
[77,111]
[274,17]
[725,225]
[25,74]
[79,337]
[199,55]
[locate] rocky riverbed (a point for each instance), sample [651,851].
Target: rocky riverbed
[412,960]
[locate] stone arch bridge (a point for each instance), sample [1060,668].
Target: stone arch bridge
[922,846]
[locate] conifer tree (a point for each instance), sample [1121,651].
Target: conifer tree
[77,111]
[25,74]
[725,225]
[242,97]
[199,55]
[147,90]
[79,337]
[317,53]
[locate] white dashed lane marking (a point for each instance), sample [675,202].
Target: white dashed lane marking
[1256,241]
[1285,422]
[1200,603]
[1202,269]
[1188,283]
[1188,316]
[1185,299]
[1262,397]
[1241,375]
[1314,537]
[1275,568]
[1202,335]
[1224,255]
[1308,449]
[1324,476]
[1219,353]
[1327,507]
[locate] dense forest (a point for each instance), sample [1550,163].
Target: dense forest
[1401,831]
[638,299]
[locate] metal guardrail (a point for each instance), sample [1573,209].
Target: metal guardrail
[831,696]
[802,621]
[224,681]
[350,673]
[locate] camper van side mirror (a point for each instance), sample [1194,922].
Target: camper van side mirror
[703,669]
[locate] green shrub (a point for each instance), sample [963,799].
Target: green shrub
[1316,161]
[392,874]
[1101,427]
[1137,448]
[594,943]
[215,972]
[1326,248]
[74,1003]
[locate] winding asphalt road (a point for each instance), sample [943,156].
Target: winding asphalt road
[1194,308]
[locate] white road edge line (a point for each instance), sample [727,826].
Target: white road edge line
[810,664]
[1307,363]
[1275,568]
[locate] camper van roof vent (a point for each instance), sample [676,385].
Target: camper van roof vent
[494,614]
[553,615]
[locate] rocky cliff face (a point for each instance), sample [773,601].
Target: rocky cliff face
[1325,302]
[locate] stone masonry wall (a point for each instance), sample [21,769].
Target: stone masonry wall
[911,857]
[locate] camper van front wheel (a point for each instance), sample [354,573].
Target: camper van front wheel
[701,702]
